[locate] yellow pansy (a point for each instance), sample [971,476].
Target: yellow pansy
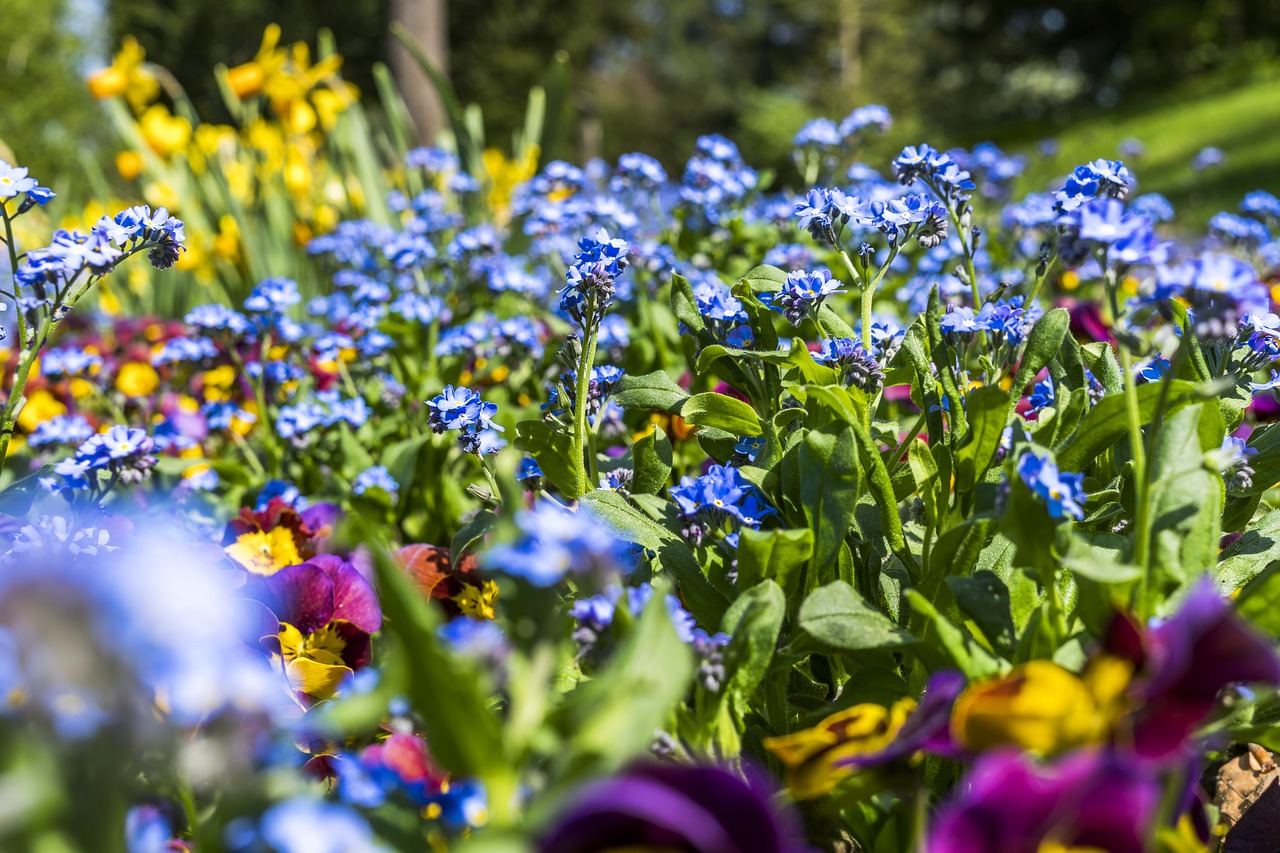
[811,755]
[264,552]
[126,76]
[1041,707]
[478,602]
[41,406]
[313,662]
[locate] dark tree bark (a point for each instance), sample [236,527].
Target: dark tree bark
[426,21]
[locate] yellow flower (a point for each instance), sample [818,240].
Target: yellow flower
[313,662]
[218,382]
[264,552]
[1041,707]
[136,379]
[81,388]
[165,133]
[129,164]
[478,602]
[504,175]
[226,245]
[41,406]
[297,174]
[160,194]
[126,76]
[197,469]
[811,755]
[245,80]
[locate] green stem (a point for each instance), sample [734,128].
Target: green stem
[13,270]
[1144,522]
[582,384]
[1134,416]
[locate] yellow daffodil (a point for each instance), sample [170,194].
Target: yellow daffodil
[504,176]
[165,133]
[129,164]
[126,76]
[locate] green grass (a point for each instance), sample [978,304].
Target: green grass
[1241,118]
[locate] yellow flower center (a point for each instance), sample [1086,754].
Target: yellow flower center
[265,552]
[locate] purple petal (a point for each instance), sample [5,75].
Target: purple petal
[353,598]
[301,595]
[928,727]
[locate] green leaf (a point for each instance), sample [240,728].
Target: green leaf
[653,392]
[685,305]
[984,598]
[610,719]
[355,456]
[1185,501]
[466,736]
[924,471]
[705,603]
[987,409]
[776,555]
[838,619]
[754,622]
[1266,462]
[829,494]
[1043,344]
[551,450]
[720,411]
[1259,601]
[812,372]
[480,524]
[16,500]
[1107,422]
[969,657]
[651,458]
[1249,555]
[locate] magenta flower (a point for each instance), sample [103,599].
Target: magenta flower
[1187,661]
[1010,804]
[669,807]
[326,611]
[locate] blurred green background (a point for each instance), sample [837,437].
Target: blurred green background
[652,75]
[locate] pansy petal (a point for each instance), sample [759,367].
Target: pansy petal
[301,595]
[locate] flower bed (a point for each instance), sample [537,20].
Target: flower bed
[630,513]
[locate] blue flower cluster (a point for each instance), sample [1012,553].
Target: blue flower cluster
[375,477]
[121,451]
[555,542]
[1106,178]
[1063,494]
[462,409]
[590,282]
[802,295]
[721,493]
[326,409]
[15,181]
[715,177]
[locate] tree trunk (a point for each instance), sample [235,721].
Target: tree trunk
[427,22]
